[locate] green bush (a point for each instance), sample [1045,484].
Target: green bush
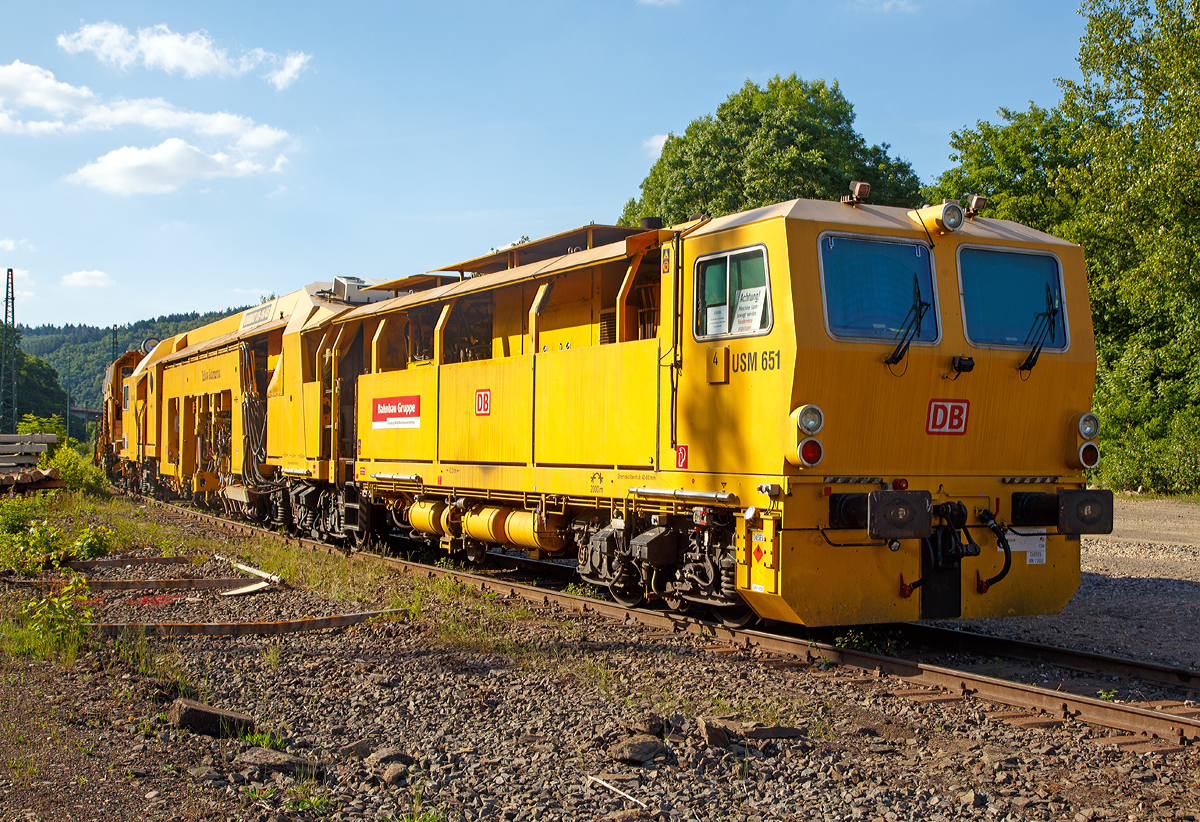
[61,614]
[79,473]
[95,541]
[15,556]
[16,513]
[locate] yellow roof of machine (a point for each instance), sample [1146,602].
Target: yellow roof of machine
[414,282]
[631,244]
[556,245]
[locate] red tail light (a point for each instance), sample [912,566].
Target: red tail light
[811,452]
[899,485]
[1089,455]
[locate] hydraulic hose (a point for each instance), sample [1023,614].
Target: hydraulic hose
[989,519]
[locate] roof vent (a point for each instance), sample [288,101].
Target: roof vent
[651,223]
[349,289]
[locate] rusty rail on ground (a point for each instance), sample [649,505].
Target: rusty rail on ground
[1137,720]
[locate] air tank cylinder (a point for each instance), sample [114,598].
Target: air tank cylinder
[426,516]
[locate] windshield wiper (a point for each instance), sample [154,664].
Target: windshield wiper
[912,325]
[1043,328]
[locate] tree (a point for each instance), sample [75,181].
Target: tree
[1115,169]
[765,145]
[38,390]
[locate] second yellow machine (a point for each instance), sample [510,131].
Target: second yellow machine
[815,412]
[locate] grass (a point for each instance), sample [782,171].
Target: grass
[270,656]
[872,639]
[264,739]
[307,795]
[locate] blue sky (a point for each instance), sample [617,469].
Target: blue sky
[166,157]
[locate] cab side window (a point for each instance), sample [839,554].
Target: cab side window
[733,296]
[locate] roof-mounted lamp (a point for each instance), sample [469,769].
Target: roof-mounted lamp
[859,192]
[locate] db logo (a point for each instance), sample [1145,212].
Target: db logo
[947,417]
[483,402]
[681,454]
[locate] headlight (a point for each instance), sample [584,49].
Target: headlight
[1089,426]
[951,217]
[810,419]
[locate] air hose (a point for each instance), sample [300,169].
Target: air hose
[989,519]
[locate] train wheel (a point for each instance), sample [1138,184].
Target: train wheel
[736,616]
[678,604]
[476,553]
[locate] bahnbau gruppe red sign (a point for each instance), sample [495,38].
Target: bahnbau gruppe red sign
[396,412]
[947,417]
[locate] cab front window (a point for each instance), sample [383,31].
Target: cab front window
[1012,299]
[877,290]
[733,296]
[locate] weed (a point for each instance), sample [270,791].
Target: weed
[85,748]
[416,809]
[264,739]
[94,541]
[308,796]
[1108,696]
[873,640]
[583,589]
[270,656]
[260,794]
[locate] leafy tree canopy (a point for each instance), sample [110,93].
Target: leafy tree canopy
[38,390]
[1115,169]
[794,138]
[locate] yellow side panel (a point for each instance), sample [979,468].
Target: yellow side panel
[286,420]
[397,415]
[598,405]
[568,320]
[1039,582]
[824,585]
[497,429]
[313,419]
[510,321]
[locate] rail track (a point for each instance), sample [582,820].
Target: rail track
[1152,727]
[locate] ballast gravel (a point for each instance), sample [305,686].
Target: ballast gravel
[404,717]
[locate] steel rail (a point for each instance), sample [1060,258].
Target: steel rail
[1058,704]
[988,645]
[166,584]
[290,626]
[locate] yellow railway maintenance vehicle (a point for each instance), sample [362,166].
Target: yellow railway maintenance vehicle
[110,434]
[815,412]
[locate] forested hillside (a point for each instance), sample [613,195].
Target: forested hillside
[80,353]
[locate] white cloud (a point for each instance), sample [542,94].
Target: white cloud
[129,170]
[27,86]
[655,144]
[158,170]
[194,54]
[21,277]
[86,279]
[292,66]
[9,244]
